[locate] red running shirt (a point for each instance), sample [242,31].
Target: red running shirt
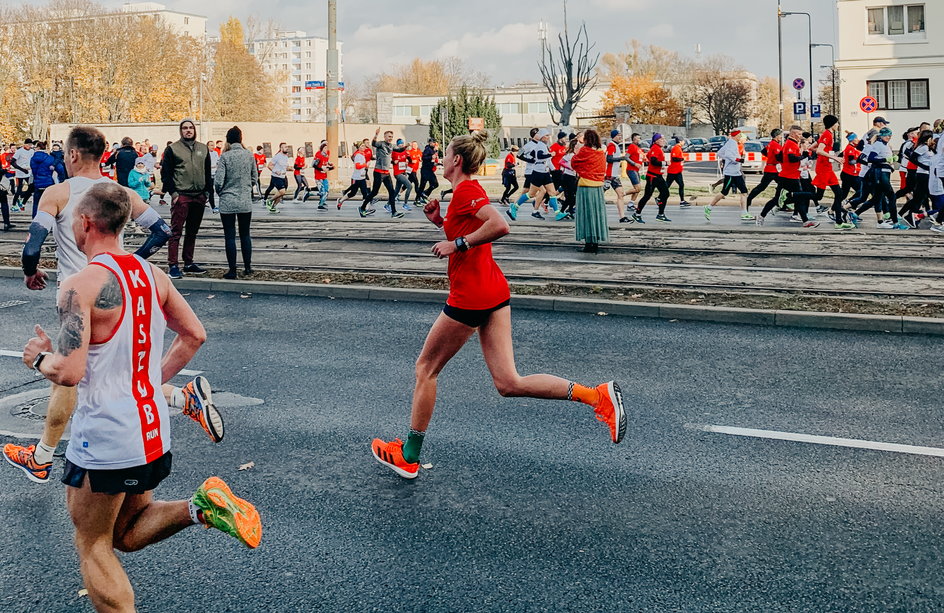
[773,150]
[475,280]
[510,161]
[401,161]
[299,164]
[416,156]
[558,151]
[788,169]
[634,153]
[260,161]
[850,160]
[656,160]
[676,167]
[322,160]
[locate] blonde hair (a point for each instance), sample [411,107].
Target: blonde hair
[471,148]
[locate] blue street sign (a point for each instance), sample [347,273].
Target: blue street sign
[314,84]
[799,84]
[799,108]
[815,111]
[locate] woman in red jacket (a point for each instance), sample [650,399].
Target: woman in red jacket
[478,300]
[301,181]
[589,162]
[510,176]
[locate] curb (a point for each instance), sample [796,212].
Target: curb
[764,317]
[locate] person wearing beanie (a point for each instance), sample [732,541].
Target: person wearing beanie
[674,172]
[236,174]
[907,169]
[401,160]
[771,155]
[541,181]
[826,175]
[654,181]
[185,175]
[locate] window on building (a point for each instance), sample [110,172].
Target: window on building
[916,18]
[901,94]
[896,20]
[539,107]
[186,21]
[402,111]
[308,54]
[308,65]
[296,89]
[509,108]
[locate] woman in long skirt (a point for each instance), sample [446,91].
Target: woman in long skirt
[589,162]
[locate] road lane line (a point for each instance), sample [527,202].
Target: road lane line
[19,354]
[820,440]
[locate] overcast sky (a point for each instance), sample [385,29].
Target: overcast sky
[500,37]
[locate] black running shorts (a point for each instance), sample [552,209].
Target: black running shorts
[736,183]
[612,183]
[474,318]
[540,179]
[279,182]
[134,480]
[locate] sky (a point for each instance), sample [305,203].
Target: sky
[500,37]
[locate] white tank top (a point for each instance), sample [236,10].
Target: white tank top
[68,256]
[121,417]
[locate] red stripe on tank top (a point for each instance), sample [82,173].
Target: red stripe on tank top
[141,292]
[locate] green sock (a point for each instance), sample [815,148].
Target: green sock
[411,448]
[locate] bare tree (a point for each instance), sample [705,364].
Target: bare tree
[569,73]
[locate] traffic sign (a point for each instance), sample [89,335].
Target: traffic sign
[799,84]
[815,111]
[799,108]
[314,84]
[868,104]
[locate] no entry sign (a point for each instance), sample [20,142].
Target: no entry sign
[799,84]
[868,104]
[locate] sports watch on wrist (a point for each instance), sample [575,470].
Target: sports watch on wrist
[39,359]
[462,244]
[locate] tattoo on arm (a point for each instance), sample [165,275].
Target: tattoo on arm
[70,317]
[110,296]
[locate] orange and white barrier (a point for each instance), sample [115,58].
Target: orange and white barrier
[752,156]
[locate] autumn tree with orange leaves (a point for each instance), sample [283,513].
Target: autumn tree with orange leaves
[651,103]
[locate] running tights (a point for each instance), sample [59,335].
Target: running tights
[428,178]
[654,183]
[765,181]
[838,211]
[403,182]
[511,186]
[676,177]
[301,183]
[357,185]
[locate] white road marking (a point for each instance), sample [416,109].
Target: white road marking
[821,440]
[19,354]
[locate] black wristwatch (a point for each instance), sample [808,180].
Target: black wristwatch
[39,359]
[462,244]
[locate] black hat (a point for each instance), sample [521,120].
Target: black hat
[880,119]
[775,132]
[829,121]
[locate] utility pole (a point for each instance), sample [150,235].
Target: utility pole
[780,58]
[331,96]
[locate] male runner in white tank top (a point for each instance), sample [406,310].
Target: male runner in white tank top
[113,317]
[84,148]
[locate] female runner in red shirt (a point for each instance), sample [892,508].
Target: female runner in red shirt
[478,299]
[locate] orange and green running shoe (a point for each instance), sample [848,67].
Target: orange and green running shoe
[198,406]
[227,513]
[610,411]
[391,455]
[22,458]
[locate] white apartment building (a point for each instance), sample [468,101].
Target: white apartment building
[300,63]
[890,50]
[182,23]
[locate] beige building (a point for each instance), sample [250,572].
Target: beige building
[300,63]
[182,23]
[887,50]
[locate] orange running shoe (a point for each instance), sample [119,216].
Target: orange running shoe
[610,409]
[198,406]
[22,458]
[227,513]
[391,455]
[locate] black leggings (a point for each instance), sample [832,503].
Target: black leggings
[909,186]
[385,180]
[4,208]
[301,183]
[229,221]
[570,193]
[416,185]
[848,183]
[801,192]
[653,183]
[356,185]
[676,178]
[765,181]
[24,189]
[838,212]
[883,198]
[510,180]
[919,198]
[428,177]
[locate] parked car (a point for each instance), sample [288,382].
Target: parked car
[753,146]
[715,143]
[696,145]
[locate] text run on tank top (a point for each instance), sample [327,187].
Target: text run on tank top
[70,259]
[121,417]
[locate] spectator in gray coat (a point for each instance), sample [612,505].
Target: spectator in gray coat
[236,173]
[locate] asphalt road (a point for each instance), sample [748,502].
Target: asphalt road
[528,506]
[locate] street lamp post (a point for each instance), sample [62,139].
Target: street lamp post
[809,23]
[780,58]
